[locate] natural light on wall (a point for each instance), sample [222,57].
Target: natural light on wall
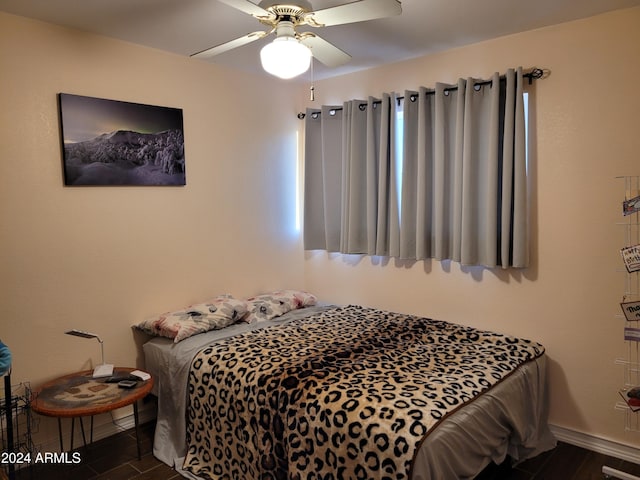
[298,189]
[525,98]
[399,154]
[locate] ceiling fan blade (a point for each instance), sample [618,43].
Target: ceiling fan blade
[360,11]
[323,51]
[224,47]
[247,7]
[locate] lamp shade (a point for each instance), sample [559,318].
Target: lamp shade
[285,57]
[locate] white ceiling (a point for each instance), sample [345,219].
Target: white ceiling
[425,26]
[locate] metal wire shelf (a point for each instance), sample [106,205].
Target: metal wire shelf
[17,424]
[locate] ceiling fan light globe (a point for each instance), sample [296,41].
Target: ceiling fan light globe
[285,57]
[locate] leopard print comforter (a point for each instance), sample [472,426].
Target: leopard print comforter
[348,393]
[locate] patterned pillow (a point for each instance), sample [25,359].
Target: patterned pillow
[271,305]
[218,313]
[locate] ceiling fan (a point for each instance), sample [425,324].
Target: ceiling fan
[290,53]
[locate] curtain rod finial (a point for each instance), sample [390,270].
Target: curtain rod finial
[536,73]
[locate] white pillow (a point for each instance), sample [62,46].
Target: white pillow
[215,314]
[270,305]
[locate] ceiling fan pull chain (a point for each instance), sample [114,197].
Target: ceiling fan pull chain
[312,95]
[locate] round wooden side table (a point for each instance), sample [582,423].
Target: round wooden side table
[80,395]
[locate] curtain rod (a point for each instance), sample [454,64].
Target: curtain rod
[532,74]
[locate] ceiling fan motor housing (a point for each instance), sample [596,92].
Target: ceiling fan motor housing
[285,12]
[299,4]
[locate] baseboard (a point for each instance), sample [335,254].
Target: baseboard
[596,444]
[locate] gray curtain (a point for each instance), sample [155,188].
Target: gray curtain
[462,194]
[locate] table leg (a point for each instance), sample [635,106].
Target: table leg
[135,419]
[84,438]
[60,434]
[73,427]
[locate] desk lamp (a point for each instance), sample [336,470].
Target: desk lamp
[104,370]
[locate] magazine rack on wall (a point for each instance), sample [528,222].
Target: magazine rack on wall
[629,316]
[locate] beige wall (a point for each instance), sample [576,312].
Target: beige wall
[102,258]
[584,133]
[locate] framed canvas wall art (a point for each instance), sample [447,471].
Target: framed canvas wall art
[110,142]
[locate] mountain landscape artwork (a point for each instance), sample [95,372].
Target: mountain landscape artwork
[110,142]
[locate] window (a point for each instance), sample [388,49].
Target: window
[442,176]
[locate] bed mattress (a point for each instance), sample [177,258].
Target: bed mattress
[508,418]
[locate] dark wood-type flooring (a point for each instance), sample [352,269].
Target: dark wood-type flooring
[115,458]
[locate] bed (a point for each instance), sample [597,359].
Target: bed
[347,392]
